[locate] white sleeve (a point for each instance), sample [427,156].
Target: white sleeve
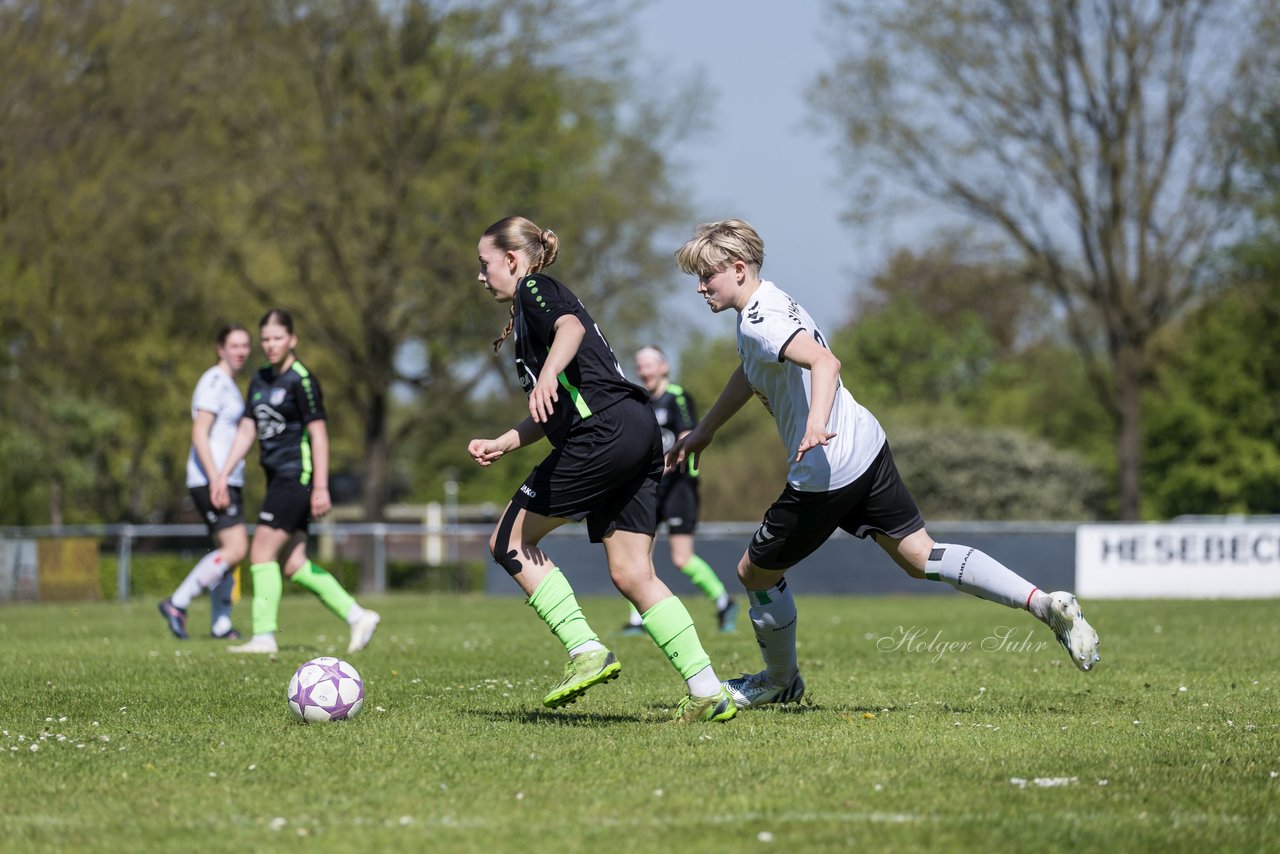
[206,397]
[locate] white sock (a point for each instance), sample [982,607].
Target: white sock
[978,574]
[587,646]
[354,614]
[704,683]
[220,604]
[773,616]
[205,575]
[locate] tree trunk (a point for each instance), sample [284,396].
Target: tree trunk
[1129,364]
[376,482]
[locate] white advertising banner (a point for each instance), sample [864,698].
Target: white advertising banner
[1178,561]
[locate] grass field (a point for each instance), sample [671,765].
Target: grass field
[116,737]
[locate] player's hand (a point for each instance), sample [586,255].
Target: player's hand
[691,444]
[812,439]
[542,400]
[485,451]
[321,503]
[219,494]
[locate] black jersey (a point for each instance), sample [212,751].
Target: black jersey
[283,406]
[676,414]
[593,379]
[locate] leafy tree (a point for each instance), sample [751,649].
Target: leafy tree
[1214,431]
[1092,137]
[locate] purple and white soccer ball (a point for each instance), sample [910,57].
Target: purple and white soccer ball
[325,689]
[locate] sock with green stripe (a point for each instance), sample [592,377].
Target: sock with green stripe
[671,628]
[327,588]
[704,578]
[978,574]
[267,587]
[554,602]
[774,618]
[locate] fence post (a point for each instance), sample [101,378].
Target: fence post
[379,558]
[124,572]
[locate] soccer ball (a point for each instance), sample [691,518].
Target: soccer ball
[325,689]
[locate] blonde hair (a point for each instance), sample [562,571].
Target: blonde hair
[538,246]
[716,245]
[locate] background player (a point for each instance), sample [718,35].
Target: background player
[678,491]
[842,474]
[216,406]
[286,407]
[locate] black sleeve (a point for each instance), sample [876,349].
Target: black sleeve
[543,302]
[310,399]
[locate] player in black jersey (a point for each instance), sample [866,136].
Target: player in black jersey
[678,500]
[285,410]
[604,466]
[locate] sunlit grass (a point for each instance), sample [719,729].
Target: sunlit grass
[929,725]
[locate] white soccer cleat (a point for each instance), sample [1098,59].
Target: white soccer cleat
[757,689]
[257,644]
[1073,631]
[362,630]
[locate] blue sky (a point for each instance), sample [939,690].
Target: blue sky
[758,156]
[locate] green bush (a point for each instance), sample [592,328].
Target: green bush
[976,474]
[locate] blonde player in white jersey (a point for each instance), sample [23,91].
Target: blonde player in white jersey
[841,474]
[216,407]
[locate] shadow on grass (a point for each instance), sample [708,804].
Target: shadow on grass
[558,718]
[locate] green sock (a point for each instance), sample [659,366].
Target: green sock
[267,588]
[318,580]
[554,602]
[671,628]
[704,577]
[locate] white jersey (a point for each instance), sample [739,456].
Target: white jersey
[218,393]
[765,328]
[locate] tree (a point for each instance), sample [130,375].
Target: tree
[1092,137]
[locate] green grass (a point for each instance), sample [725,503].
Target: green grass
[144,742]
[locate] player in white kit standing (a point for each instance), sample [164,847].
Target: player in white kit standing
[216,406]
[841,474]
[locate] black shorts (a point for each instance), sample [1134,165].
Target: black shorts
[678,504]
[606,472]
[799,522]
[286,506]
[218,519]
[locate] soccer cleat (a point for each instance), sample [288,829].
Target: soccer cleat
[176,618]
[229,634]
[1073,631]
[259,644]
[580,673]
[362,630]
[757,689]
[716,708]
[728,617]
[631,629]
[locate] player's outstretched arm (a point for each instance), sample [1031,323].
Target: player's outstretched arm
[737,391]
[488,451]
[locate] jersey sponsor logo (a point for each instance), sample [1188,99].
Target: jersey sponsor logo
[270,422]
[525,375]
[524,487]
